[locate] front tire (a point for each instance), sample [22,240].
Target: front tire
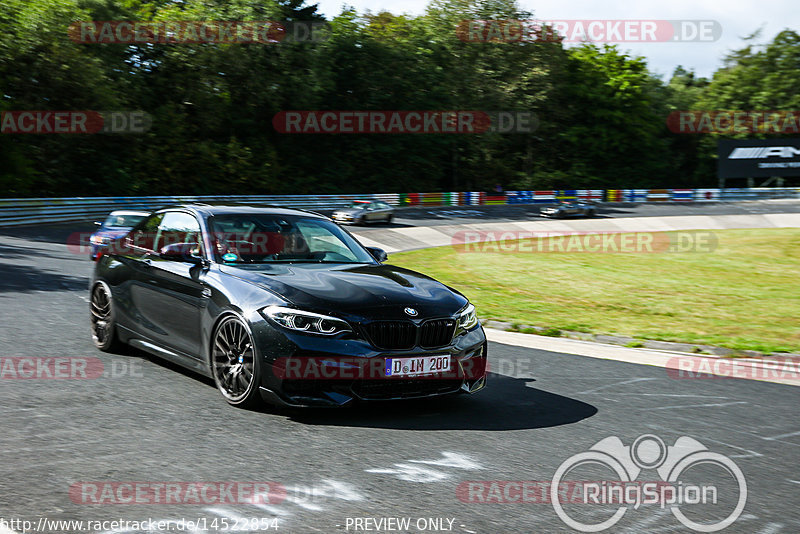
[234,362]
[104,332]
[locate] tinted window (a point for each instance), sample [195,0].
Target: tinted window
[264,238]
[142,238]
[179,227]
[122,221]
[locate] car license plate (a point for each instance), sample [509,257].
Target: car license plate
[418,365]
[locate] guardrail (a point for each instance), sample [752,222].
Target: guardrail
[21,211]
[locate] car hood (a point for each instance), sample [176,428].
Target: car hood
[112,233]
[375,291]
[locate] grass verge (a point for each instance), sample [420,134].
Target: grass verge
[743,295]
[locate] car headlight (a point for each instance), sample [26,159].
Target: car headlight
[99,240]
[303,321]
[468,318]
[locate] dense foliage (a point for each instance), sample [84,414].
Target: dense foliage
[602,113]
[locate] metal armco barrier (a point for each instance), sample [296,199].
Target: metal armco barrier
[21,211]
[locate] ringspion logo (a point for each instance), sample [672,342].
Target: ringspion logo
[674,464]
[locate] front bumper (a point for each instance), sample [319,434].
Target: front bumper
[339,218]
[310,371]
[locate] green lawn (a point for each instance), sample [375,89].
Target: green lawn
[743,295]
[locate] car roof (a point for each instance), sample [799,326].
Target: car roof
[209,210]
[129,212]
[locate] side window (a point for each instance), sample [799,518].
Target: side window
[141,239]
[179,227]
[382,205]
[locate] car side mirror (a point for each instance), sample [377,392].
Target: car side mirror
[180,252]
[378,253]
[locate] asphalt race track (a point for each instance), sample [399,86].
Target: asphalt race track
[146,421]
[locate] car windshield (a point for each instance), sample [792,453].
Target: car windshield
[128,220]
[359,204]
[269,238]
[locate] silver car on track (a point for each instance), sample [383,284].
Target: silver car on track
[569,208]
[364,212]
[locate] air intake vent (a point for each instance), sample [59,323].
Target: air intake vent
[436,333]
[392,335]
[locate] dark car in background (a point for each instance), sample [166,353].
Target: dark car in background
[286,306]
[365,212]
[569,208]
[117,224]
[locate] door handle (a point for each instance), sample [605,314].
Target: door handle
[147,263]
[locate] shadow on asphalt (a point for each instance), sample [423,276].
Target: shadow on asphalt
[27,278]
[506,404]
[8,252]
[71,234]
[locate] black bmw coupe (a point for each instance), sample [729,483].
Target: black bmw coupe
[283,305]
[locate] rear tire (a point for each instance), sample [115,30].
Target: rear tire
[104,331]
[389,219]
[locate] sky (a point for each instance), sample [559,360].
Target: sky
[736,18]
